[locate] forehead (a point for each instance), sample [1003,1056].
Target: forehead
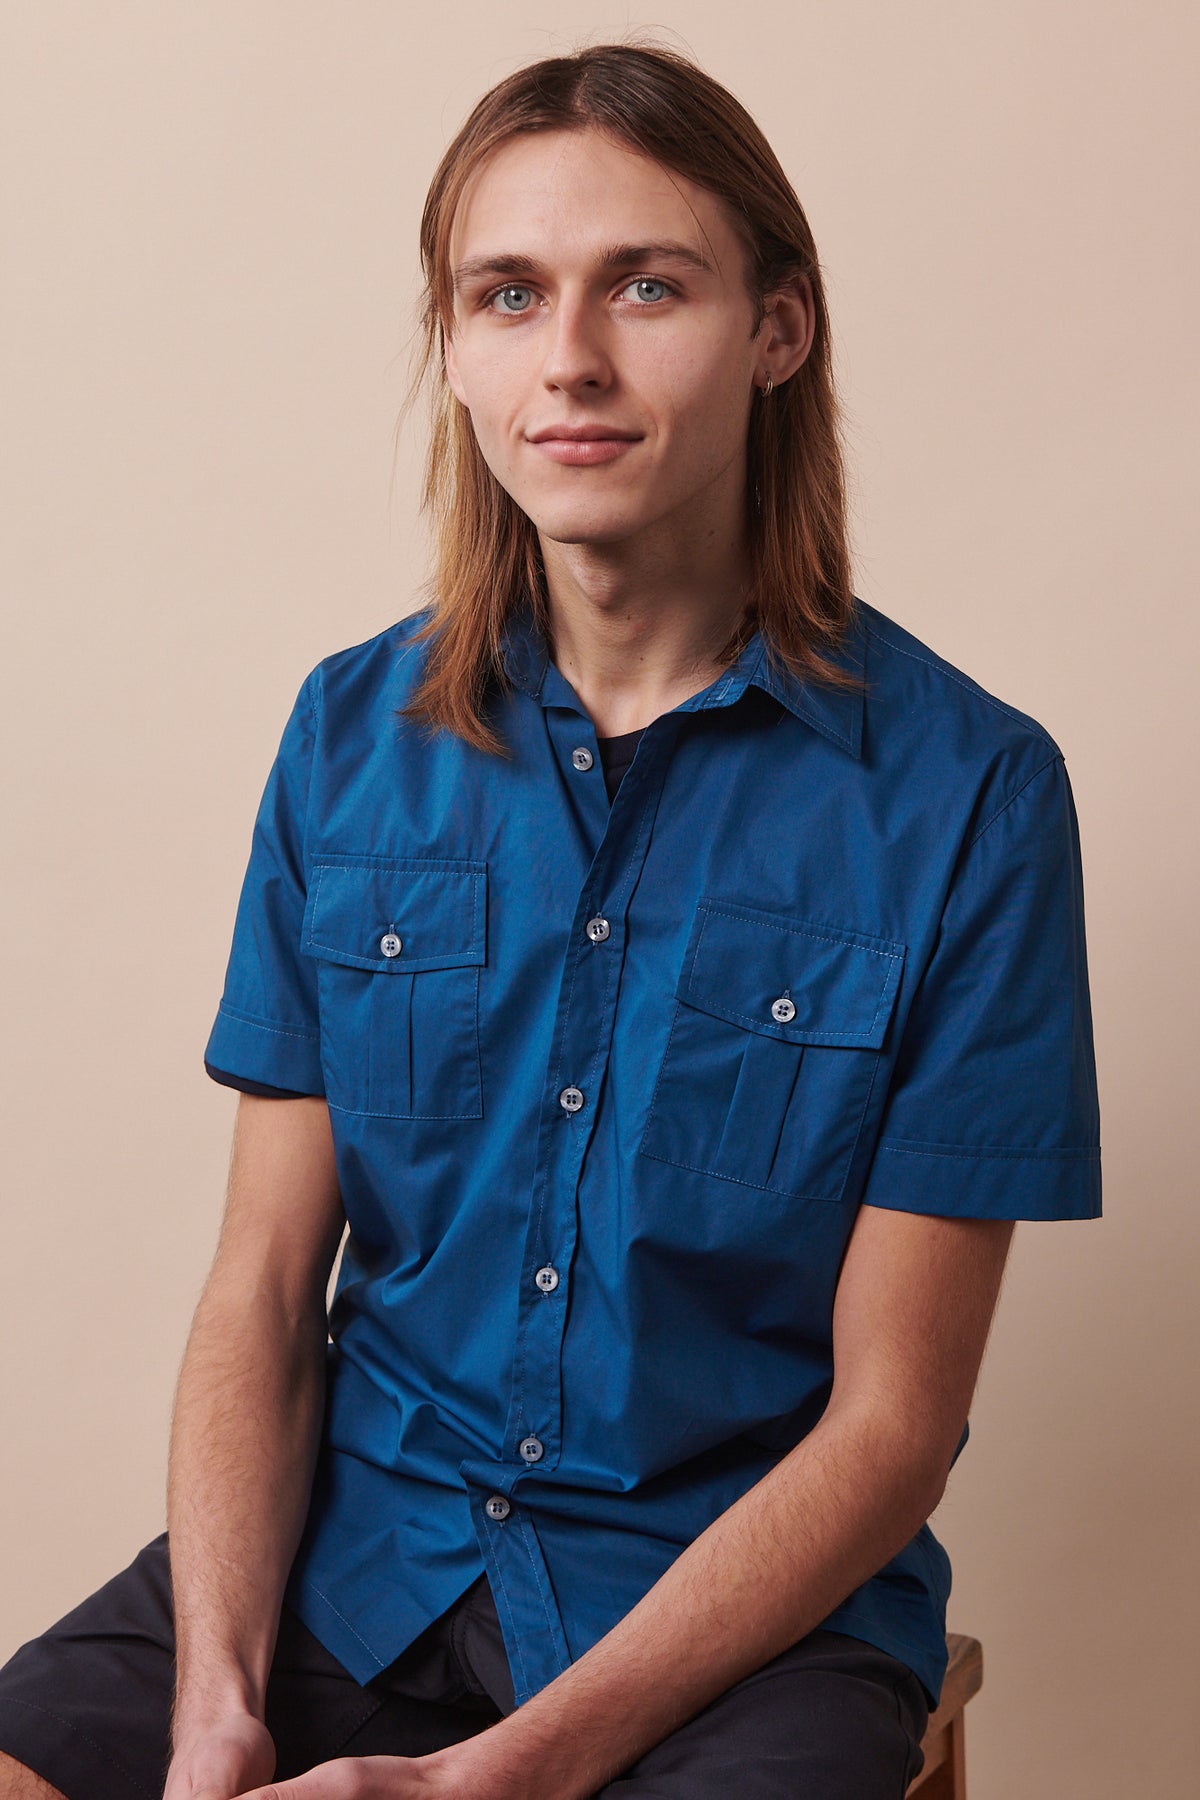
[559,195]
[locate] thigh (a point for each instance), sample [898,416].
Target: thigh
[833,1718]
[87,1705]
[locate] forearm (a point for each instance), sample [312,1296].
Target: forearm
[765,1573]
[243,1446]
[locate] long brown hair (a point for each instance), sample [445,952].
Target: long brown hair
[487,556]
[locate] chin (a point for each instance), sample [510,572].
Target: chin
[590,525]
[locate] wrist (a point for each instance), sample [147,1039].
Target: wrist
[200,1707]
[495,1765]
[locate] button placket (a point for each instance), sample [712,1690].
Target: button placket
[588,986]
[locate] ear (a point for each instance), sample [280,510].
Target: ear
[786,334]
[452,375]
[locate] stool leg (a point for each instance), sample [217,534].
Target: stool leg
[949,1780]
[957,1759]
[938,1786]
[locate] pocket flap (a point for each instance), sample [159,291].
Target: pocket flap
[436,907]
[741,961]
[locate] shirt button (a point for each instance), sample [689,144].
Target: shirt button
[582,758]
[532,1449]
[570,1099]
[390,944]
[497,1507]
[547,1279]
[783,1011]
[598,929]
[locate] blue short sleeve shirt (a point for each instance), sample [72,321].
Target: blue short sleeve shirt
[609,1082]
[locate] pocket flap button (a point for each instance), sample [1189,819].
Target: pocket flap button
[783,1011]
[390,944]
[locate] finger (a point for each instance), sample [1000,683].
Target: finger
[329,1781]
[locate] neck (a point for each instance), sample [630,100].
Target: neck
[637,636]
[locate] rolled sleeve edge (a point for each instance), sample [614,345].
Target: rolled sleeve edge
[991,1181]
[266,1050]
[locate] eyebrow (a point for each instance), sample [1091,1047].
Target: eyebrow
[615,256]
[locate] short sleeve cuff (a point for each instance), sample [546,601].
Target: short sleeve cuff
[266,1051]
[956,1181]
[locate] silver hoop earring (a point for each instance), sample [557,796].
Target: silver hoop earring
[768,389]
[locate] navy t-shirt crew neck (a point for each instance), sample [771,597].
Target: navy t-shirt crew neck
[608,1082]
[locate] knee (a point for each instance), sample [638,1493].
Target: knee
[19,1783]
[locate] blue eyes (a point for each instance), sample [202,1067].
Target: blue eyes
[514,300]
[511,299]
[647,282]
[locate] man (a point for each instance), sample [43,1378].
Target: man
[674,973]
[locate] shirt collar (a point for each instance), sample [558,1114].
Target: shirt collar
[837,713]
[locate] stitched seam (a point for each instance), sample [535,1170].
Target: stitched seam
[398,865]
[999,813]
[662,1067]
[279,1029]
[620,888]
[824,937]
[802,1034]
[710,908]
[862,1119]
[757,1187]
[520,1349]
[316,896]
[516,1634]
[466,868]
[1009,712]
[354,1112]
[534,1563]
[1003,1152]
[83,1738]
[338,1614]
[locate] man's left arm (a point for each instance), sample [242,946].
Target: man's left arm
[913,1308]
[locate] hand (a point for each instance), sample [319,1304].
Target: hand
[454,1773]
[221,1761]
[364,1778]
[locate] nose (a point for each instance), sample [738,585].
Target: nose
[576,356]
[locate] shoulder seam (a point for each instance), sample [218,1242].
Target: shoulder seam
[969,687]
[310,690]
[1001,810]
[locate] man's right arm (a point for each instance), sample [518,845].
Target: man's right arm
[244,1439]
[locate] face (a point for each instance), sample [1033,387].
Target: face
[604,341]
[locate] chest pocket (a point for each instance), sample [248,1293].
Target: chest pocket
[773,1050]
[399,942]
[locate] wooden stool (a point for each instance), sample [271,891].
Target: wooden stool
[944,1776]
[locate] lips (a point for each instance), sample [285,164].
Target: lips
[583,434]
[583,446]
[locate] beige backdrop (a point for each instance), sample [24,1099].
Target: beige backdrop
[210,224]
